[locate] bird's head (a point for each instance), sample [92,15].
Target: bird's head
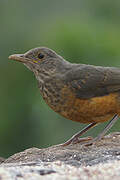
[38,59]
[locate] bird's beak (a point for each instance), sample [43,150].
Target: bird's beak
[18,57]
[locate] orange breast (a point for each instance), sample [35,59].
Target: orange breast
[97,109]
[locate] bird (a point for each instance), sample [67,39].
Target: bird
[83,93]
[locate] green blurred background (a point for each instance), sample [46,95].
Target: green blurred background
[80,31]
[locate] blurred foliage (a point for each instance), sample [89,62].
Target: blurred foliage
[80,31]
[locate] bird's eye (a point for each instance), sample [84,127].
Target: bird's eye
[40,56]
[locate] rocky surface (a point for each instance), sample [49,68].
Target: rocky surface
[98,161]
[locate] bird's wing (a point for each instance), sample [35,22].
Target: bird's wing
[93,81]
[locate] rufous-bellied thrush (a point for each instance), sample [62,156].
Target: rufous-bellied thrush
[79,92]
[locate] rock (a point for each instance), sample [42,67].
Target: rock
[98,161]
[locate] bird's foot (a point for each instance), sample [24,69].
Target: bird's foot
[77,140]
[91,142]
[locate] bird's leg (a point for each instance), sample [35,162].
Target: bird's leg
[105,130]
[75,138]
